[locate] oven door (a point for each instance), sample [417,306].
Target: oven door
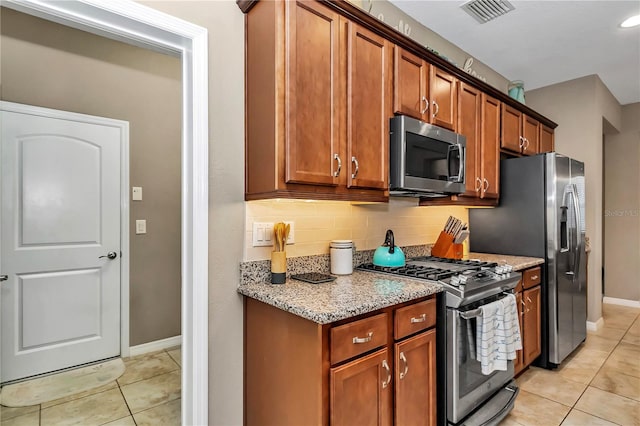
[467,387]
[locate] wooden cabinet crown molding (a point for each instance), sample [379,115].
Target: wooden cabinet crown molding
[359,16]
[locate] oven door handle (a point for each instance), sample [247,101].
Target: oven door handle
[474,313]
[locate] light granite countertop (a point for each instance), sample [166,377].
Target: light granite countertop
[347,296]
[518,262]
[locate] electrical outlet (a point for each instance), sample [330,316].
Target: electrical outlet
[141,226]
[291,238]
[262,234]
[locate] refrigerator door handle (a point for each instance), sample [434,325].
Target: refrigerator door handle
[576,261]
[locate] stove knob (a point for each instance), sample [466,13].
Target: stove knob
[508,268]
[500,269]
[463,279]
[455,280]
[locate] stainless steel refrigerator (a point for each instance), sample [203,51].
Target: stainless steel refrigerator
[542,214]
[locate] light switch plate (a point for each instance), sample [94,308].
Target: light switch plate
[262,234]
[136,193]
[141,226]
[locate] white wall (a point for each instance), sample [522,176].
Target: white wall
[225,23]
[622,208]
[579,107]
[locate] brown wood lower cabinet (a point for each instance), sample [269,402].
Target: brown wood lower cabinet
[370,370]
[415,380]
[531,323]
[361,391]
[528,300]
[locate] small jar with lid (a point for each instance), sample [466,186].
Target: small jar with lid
[341,252]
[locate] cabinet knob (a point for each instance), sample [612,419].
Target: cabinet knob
[426,105]
[337,158]
[386,382]
[406,366]
[478,184]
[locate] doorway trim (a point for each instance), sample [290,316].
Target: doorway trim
[133,23]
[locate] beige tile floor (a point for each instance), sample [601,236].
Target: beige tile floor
[599,384]
[148,393]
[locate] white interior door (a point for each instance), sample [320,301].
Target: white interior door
[60,218]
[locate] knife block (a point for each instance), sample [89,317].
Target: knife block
[445,247]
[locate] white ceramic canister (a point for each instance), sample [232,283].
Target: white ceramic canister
[341,257]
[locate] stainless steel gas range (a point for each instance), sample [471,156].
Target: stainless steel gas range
[472,398]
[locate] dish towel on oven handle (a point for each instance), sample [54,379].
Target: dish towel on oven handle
[497,334]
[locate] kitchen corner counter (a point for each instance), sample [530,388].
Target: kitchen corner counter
[518,262]
[346,297]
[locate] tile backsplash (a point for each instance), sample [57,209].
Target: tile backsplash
[319,222]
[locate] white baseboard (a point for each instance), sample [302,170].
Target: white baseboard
[595,326]
[621,302]
[156,345]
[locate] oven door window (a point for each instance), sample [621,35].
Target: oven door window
[470,371]
[430,159]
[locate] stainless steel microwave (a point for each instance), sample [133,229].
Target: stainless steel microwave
[425,160]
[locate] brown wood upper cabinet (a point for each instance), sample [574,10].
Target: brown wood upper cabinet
[546,139]
[318,103]
[424,91]
[479,122]
[444,103]
[368,108]
[410,85]
[520,133]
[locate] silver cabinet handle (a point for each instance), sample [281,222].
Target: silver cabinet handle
[521,144]
[525,144]
[337,172]
[111,255]
[421,318]
[386,382]
[435,104]
[406,366]
[478,184]
[355,172]
[357,340]
[426,105]
[535,277]
[4,277]
[524,305]
[487,187]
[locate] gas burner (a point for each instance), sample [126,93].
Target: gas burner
[465,281]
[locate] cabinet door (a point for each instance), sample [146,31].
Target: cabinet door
[546,139]
[311,95]
[410,89]
[368,108]
[518,365]
[531,324]
[444,105]
[531,133]
[415,380]
[361,391]
[469,107]
[511,129]
[490,159]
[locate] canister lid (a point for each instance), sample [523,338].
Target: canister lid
[341,244]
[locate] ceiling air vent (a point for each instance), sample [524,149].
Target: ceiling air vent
[484,11]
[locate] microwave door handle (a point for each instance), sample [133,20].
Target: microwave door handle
[461,164]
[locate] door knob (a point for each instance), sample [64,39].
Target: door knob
[110,255]
[4,277]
